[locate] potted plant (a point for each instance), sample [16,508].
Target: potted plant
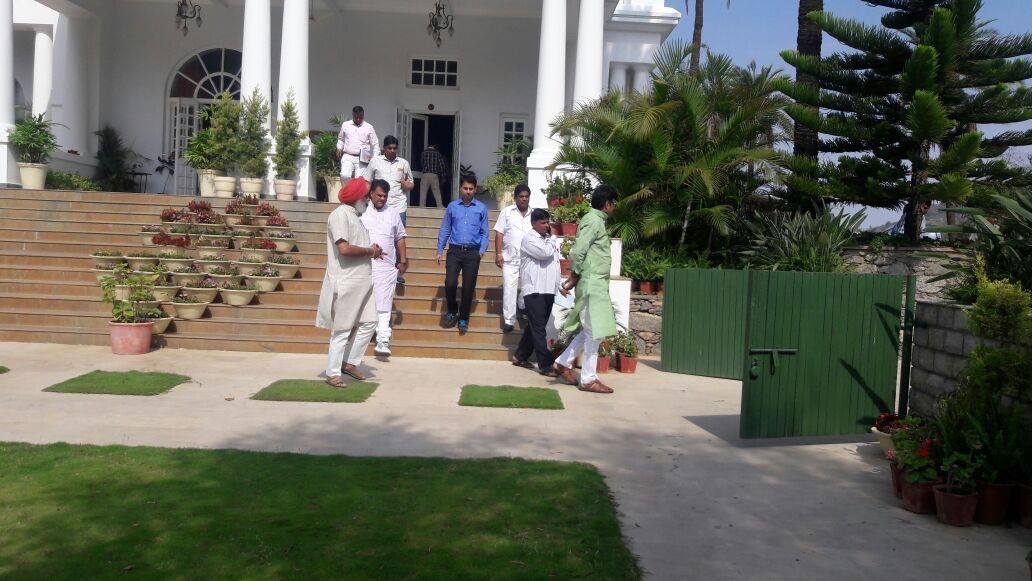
[223,118]
[325,163]
[203,291]
[200,154]
[957,499]
[253,144]
[100,273]
[917,455]
[263,212]
[276,223]
[159,318]
[212,262]
[288,149]
[605,353]
[186,308]
[175,260]
[224,275]
[138,259]
[186,276]
[237,294]
[147,234]
[285,264]
[284,241]
[170,216]
[235,210]
[144,299]
[107,259]
[163,239]
[130,332]
[212,248]
[897,473]
[627,349]
[33,139]
[248,264]
[564,251]
[265,278]
[153,272]
[163,290]
[884,426]
[511,170]
[257,248]
[208,218]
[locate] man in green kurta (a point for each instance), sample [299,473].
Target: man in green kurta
[592,312]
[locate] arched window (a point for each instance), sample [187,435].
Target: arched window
[198,81]
[206,75]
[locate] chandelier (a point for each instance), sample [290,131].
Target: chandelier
[440,19]
[186,11]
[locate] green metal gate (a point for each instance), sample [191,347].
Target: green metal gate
[704,322]
[817,353]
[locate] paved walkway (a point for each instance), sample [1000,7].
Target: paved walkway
[696,502]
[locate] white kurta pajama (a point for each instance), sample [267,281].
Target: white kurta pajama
[512,226]
[385,228]
[394,171]
[346,303]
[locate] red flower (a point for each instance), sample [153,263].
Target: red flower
[922,452]
[927,442]
[579,198]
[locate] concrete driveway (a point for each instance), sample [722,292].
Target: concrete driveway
[695,501]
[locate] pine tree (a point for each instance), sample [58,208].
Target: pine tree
[903,105]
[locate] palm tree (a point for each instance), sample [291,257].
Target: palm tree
[685,154]
[697,31]
[808,42]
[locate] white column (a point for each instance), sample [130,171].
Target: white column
[256,64]
[8,168]
[641,77]
[42,73]
[551,96]
[618,76]
[294,77]
[587,81]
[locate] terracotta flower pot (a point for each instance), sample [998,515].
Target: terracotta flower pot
[557,229]
[994,502]
[918,497]
[161,325]
[897,479]
[603,364]
[188,310]
[564,266]
[626,364]
[647,287]
[237,298]
[130,338]
[569,229]
[955,509]
[1024,503]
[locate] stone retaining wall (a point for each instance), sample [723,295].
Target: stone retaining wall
[899,260]
[942,343]
[646,320]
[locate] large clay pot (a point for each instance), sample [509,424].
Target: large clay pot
[626,364]
[647,287]
[252,186]
[333,185]
[897,479]
[188,310]
[265,284]
[237,298]
[206,181]
[993,503]
[33,175]
[884,439]
[130,338]
[287,271]
[285,189]
[200,295]
[164,294]
[224,279]
[557,229]
[224,186]
[569,229]
[918,497]
[955,509]
[161,325]
[603,364]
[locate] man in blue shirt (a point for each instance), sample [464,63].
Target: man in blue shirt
[464,229]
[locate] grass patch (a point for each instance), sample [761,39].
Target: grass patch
[120,383]
[315,390]
[3,369]
[508,396]
[86,512]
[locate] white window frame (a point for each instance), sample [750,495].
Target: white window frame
[409,72]
[515,118]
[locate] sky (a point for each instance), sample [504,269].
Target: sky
[757,30]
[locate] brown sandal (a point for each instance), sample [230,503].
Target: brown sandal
[566,374]
[353,371]
[336,381]
[596,387]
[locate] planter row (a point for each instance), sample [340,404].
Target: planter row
[215,184]
[250,259]
[992,504]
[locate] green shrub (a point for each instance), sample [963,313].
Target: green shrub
[1001,311]
[115,161]
[252,141]
[801,241]
[60,180]
[33,139]
[223,118]
[288,140]
[324,158]
[200,152]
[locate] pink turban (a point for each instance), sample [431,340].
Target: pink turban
[353,191]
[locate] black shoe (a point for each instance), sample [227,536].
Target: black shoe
[507,328]
[401,280]
[449,320]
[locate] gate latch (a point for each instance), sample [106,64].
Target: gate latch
[774,353]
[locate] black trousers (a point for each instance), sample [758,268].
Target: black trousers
[538,307]
[466,259]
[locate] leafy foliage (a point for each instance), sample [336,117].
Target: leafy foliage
[324,159]
[223,118]
[33,139]
[61,180]
[201,151]
[1002,311]
[252,144]
[139,287]
[115,161]
[801,241]
[511,168]
[288,139]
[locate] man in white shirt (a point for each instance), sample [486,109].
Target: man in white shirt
[387,232]
[356,145]
[396,171]
[539,280]
[512,225]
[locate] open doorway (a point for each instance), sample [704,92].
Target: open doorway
[426,129]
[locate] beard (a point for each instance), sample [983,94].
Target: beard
[361,206]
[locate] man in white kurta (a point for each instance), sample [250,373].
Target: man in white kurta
[346,304]
[397,171]
[387,231]
[512,225]
[357,143]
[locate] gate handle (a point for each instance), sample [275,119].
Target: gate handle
[773,352]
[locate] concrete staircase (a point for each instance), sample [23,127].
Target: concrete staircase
[49,294]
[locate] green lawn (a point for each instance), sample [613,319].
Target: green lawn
[81,512]
[508,396]
[315,390]
[120,383]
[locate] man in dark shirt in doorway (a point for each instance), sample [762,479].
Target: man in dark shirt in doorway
[434,166]
[465,231]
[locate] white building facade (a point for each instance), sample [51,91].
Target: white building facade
[510,68]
